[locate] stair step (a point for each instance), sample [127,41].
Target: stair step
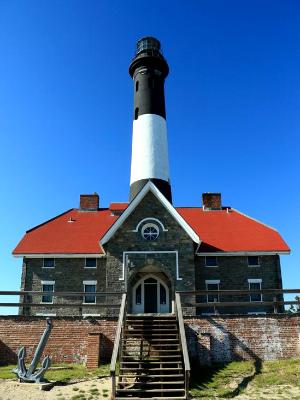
[150,329]
[152,398]
[151,350]
[157,357]
[151,362]
[145,383]
[158,340]
[141,370]
[150,324]
[149,390]
[152,345]
[151,334]
[151,376]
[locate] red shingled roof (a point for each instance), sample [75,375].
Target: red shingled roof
[232,231]
[79,232]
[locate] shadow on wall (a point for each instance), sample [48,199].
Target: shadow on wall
[6,353]
[217,350]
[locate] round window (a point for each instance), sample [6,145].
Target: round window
[150,232]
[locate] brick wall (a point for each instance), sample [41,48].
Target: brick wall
[210,339]
[72,339]
[227,338]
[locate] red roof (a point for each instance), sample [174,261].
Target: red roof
[79,232]
[74,232]
[232,231]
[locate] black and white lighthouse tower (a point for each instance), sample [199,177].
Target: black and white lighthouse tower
[149,137]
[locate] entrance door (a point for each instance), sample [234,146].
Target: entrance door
[150,295]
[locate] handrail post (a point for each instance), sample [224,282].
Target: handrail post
[117,347]
[186,360]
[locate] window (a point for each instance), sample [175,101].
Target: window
[136,86]
[90,263]
[211,261]
[49,263]
[253,261]
[89,287]
[255,284]
[47,286]
[162,294]
[136,113]
[150,232]
[138,295]
[212,285]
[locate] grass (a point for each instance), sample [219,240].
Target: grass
[66,372]
[230,380]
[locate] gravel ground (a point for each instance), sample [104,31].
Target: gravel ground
[90,390]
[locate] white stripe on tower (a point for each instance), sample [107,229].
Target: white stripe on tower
[149,148]
[149,138]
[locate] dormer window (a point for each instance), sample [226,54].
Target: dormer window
[150,231]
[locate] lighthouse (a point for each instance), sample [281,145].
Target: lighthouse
[150,161]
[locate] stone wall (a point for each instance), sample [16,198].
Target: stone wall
[68,274]
[233,273]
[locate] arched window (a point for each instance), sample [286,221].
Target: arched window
[163,294]
[138,295]
[136,86]
[150,231]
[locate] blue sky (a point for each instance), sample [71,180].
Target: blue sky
[66,105]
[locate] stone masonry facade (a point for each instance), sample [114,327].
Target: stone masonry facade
[129,257]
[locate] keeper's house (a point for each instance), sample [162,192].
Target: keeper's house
[148,247]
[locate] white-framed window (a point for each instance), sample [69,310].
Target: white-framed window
[45,314]
[213,284]
[48,263]
[255,284]
[150,231]
[256,313]
[89,288]
[253,261]
[91,262]
[48,286]
[211,261]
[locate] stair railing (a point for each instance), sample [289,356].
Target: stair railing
[186,361]
[117,350]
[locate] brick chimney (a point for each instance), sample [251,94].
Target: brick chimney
[89,202]
[211,201]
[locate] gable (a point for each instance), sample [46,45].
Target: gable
[150,200]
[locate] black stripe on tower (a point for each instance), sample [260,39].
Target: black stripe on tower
[150,155]
[149,70]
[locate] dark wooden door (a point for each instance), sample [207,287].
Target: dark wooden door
[150,298]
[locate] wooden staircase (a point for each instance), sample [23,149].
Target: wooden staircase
[151,359]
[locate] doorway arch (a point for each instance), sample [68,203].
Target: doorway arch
[150,295]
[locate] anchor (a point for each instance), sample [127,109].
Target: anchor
[32,374]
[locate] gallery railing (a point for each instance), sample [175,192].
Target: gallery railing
[271,300]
